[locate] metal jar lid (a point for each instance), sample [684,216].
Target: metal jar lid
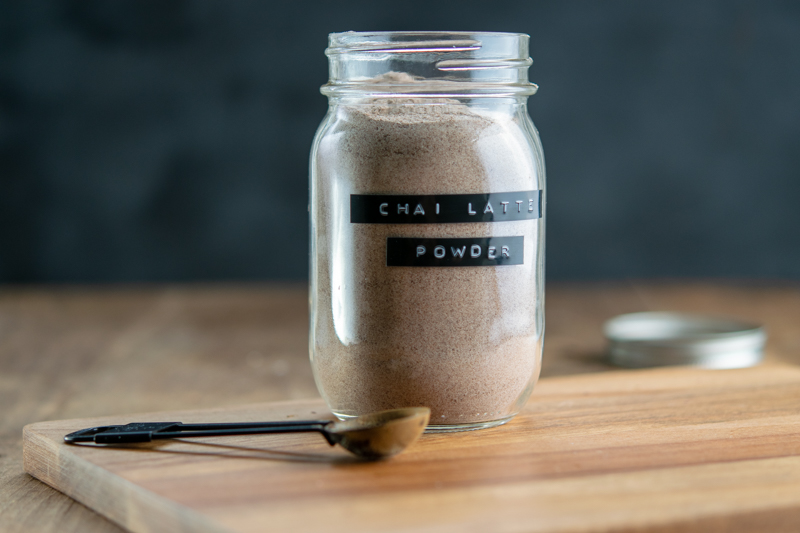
[640,340]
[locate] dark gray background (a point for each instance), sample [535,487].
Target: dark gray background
[151,140]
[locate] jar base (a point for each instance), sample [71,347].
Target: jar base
[449,428]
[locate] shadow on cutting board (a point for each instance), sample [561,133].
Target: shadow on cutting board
[234,452]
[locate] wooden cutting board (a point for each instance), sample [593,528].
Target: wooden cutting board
[657,450]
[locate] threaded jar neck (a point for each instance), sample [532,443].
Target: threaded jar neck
[428,64]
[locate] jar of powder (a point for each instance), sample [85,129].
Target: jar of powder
[427,228]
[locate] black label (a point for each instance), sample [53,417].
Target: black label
[444,208]
[477,251]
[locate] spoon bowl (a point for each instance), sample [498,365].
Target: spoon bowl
[379,435]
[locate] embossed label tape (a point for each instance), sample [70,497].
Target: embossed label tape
[461,252]
[445,208]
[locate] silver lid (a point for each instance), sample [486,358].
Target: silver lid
[640,340]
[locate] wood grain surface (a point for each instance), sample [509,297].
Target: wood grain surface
[588,453]
[82,352]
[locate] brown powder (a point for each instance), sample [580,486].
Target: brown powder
[464,341]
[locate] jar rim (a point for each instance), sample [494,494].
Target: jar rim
[437,62]
[375,41]
[425,32]
[351,33]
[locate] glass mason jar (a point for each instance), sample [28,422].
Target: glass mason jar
[427,228]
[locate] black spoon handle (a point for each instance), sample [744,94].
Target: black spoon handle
[248,425]
[149,431]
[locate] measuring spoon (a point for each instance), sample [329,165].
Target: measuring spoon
[371,436]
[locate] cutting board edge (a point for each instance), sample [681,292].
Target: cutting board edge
[122,502]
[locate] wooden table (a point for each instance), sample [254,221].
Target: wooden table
[86,351]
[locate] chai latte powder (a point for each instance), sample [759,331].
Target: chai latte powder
[462,341]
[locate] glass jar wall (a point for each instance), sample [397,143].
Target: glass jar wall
[427,228]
